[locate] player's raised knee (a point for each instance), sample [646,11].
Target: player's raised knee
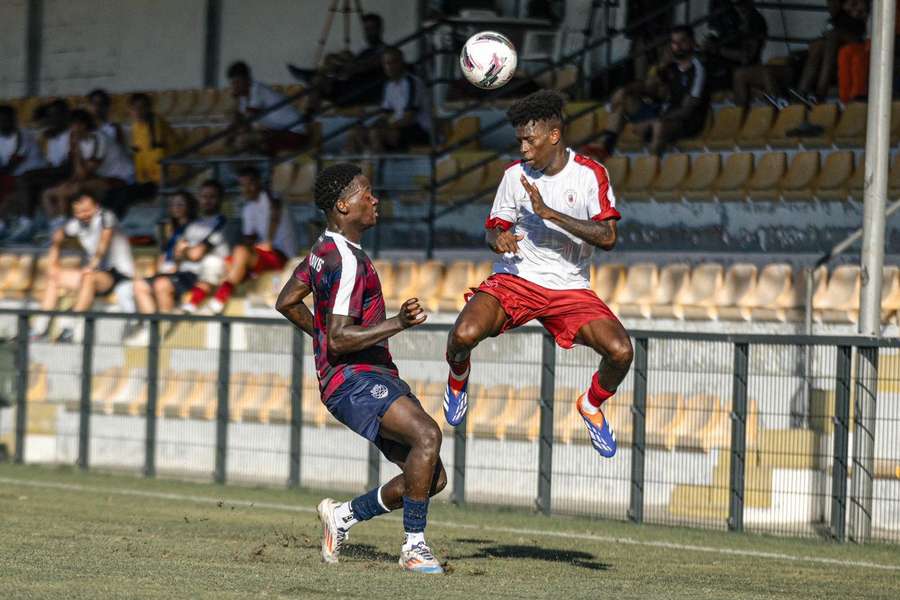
[465,335]
[429,437]
[621,352]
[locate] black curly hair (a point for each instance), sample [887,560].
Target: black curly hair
[332,182]
[543,105]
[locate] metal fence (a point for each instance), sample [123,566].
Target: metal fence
[739,432]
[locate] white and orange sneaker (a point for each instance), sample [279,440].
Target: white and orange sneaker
[602,437]
[333,537]
[419,559]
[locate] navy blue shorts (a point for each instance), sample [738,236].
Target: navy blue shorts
[361,401]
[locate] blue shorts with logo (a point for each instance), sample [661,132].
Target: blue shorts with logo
[361,401]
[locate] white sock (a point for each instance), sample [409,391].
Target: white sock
[587,407]
[413,538]
[344,516]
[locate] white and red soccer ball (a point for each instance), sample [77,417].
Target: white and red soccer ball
[488,60]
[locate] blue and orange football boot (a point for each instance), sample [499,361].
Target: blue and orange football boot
[456,401]
[419,559]
[602,437]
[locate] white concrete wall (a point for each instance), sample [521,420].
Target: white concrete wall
[12,47]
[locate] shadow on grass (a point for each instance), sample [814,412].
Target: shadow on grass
[366,552]
[572,557]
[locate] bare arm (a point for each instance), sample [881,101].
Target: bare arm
[290,304]
[601,234]
[53,254]
[346,338]
[102,248]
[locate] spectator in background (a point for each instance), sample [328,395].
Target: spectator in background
[280,130]
[672,104]
[98,166]
[206,243]
[19,156]
[99,104]
[268,240]
[109,264]
[647,24]
[152,138]
[347,79]
[54,139]
[853,66]
[406,122]
[848,26]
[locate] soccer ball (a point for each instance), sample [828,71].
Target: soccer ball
[488,60]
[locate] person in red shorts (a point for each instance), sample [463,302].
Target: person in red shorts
[269,240]
[551,210]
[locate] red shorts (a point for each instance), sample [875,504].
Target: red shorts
[266,260]
[562,312]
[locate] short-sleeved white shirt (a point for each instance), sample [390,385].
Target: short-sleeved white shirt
[118,256]
[261,97]
[209,231]
[113,160]
[256,215]
[57,149]
[21,144]
[405,94]
[548,255]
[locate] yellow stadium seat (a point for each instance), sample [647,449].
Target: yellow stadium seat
[522,418]
[697,142]
[698,300]
[831,183]
[607,280]
[163,102]
[702,176]
[701,413]
[826,117]
[15,275]
[641,174]
[482,271]
[763,184]
[890,291]
[851,127]
[617,170]
[740,284]
[457,281]
[385,271]
[856,183]
[629,140]
[756,127]
[725,128]
[640,285]
[789,117]
[673,278]
[406,278]
[663,412]
[206,100]
[839,301]
[579,129]
[672,172]
[484,418]
[797,183]
[183,103]
[568,426]
[301,189]
[464,128]
[282,178]
[428,283]
[732,180]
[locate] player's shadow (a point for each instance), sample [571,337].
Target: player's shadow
[366,552]
[572,557]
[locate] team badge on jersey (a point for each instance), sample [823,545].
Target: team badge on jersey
[571,198]
[379,391]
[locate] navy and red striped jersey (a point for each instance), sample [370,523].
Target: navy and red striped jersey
[343,282]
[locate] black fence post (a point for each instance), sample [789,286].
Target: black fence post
[87,369]
[841,443]
[639,429]
[152,395]
[545,447]
[21,388]
[458,496]
[296,407]
[738,436]
[222,404]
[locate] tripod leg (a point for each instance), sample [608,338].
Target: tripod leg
[320,49]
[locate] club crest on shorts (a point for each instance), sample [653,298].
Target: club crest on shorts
[571,198]
[379,391]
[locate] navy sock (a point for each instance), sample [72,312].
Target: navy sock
[415,513]
[367,506]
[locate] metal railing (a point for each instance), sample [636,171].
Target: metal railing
[713,429]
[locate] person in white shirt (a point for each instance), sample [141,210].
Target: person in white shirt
[99,104]
[98,165]
[109,266]
[19,155]
[269,239]
[282,129]
[406,121]
[552,209]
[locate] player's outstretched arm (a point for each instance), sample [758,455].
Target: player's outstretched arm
[601,234]
[290,304]
[503,242]
[346,338]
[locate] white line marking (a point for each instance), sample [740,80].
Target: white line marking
[74,487]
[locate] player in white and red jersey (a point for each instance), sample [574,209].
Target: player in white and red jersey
[551,210]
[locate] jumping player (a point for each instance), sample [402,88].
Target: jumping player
[551,210]
[358,379]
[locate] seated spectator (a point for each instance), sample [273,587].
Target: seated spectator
[347,79]
[672,104]
[98,166]
[54,139]
[268,240]
[109,265]
[853,66]
[647,24]
[848,26]
[99,104]
[207,243]
[152,138]
[19,156]
[407,120]
[279,130]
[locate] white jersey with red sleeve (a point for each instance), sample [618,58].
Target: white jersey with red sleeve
[548,255]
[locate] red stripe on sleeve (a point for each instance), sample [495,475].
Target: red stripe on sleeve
[497,223]
[607,210]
